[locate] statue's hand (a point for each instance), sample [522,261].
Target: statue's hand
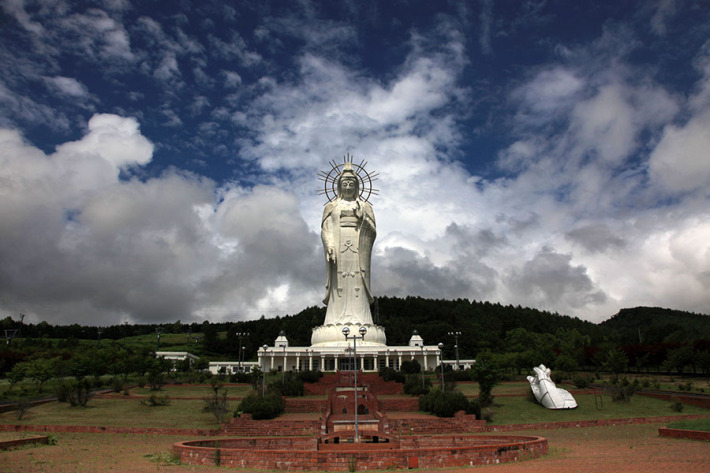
[358,211]
[331,254]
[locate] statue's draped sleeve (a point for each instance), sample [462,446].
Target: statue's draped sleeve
[329,236]
[366,241]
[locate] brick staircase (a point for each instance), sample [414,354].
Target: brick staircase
[461,423]
[245,426]
[373,380]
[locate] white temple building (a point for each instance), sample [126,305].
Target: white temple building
[371,358]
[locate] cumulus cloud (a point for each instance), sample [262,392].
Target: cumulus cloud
[597,199]
[79,242]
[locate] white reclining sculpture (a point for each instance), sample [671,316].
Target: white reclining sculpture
[547,393]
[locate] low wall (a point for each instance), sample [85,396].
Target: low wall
[591,423]
[699,401]
[12,406]
[684,434]
[446,451]
[17,443]
[93,429]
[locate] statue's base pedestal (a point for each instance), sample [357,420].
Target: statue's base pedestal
[331,335]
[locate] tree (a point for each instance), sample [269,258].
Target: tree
[616,362]
[679,358]
[17,374]
[486,373]
[41,370]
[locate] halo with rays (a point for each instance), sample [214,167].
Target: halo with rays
[330,179]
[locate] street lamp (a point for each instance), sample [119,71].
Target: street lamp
[355,338]
[263,380]
[283,371]
[456,346]
[421,368]
[240,352]
[441,363]
[158,330]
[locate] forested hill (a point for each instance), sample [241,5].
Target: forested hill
[651,325]
[483,325]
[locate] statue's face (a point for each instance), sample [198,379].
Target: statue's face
[348,187]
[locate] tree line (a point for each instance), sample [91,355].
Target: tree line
[641,339]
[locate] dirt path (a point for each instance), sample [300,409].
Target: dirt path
[628,449]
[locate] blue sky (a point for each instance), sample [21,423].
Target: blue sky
[159,160]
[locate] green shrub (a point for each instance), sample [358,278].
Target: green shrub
[391,374]
[311,376]
[474,408]
[413,385]
[461,375]
[216,402]
[62,392]
[267,407]
[676,405]
[155,400]
[291,385]
[581,381]
[79,392]
[444,403]
[116,385]
[622,391]
[410,367]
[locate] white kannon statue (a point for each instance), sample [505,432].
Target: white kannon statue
[348,233]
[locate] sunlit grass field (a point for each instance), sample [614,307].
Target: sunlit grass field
[511,406]
[188,390]
[120,413]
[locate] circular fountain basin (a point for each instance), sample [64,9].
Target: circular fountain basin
[311,453]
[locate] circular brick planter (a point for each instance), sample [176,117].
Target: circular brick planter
[307,453]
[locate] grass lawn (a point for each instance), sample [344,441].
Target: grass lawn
[187,390]
[120,413]
[518,410]
[695,424]
[507,388]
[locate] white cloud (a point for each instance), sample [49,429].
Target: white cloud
[681,162]
[115,139]
[68,86]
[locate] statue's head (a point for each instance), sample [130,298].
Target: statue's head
[348,183]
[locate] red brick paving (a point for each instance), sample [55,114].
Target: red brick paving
[631,448]
[628,449]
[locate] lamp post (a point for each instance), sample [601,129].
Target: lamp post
[158,330]
[263,380]
[456,346]
[240,348]
[421,368]
[355,338]
[98,342]
[283,371]
[441,363]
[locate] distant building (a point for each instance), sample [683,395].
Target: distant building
[177,356]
